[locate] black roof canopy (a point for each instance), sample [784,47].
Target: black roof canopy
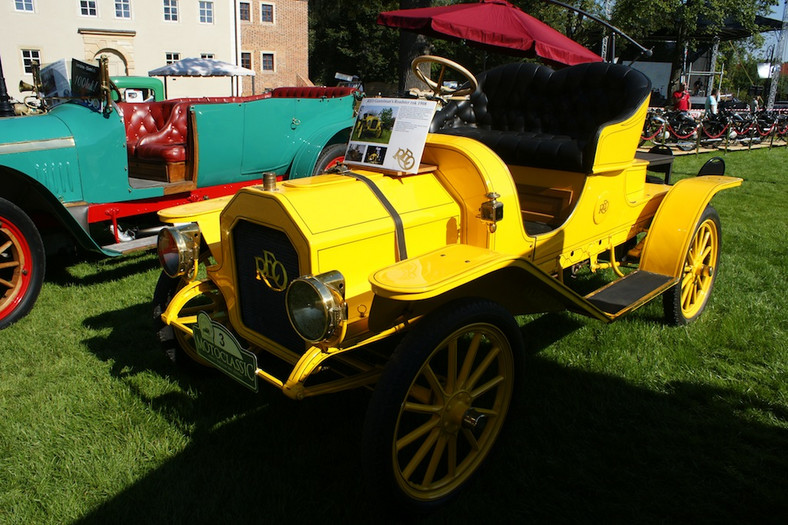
[732,30]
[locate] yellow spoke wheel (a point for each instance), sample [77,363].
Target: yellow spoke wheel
[441,403]
[685,302]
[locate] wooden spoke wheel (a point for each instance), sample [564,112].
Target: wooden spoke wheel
[22,263]
[441,403]
[685,302]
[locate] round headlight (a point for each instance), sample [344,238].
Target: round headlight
[178,248]
[315,309]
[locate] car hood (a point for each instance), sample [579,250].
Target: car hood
[19,134]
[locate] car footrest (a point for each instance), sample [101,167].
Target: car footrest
[630,291]
[135,245]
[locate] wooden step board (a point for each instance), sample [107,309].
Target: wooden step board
[143,243]
[629,292]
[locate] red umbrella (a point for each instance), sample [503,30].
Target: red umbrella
[494,24]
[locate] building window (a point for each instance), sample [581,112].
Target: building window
[268,61]
[24,5]
[209,56]
[206,12]
[169,58]
[246,60]
[87,7]
[171,10]
[267,13]
[28,56]
[122,8]
[245,11]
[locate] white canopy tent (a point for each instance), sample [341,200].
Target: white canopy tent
[201,67]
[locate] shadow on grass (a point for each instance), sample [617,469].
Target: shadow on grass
[59,268]
[580,448]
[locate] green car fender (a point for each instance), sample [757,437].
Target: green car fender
[307,155]
[73,218]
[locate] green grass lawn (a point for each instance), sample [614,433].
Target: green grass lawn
[633,422]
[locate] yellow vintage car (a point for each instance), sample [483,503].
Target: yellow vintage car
[368,125]
[411,283]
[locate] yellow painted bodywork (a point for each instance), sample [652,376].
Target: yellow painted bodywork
[618,141]
[205,214]
[669,237]
[335,222]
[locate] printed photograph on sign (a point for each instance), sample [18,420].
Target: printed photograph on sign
[375,155]
[374,124]
[389,134]
[355,153]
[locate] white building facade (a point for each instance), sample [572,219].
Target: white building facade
[136,35]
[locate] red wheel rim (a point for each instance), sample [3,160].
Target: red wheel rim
[16,267]
[333,162]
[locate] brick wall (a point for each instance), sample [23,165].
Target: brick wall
[286,39]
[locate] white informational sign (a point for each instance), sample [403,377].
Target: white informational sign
[390,133]
[54,80]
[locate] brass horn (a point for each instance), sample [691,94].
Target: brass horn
[24,86]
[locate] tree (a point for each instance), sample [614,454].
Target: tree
[344,37]
[411,45]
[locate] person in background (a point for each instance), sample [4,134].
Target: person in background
[681,98]
[712,101]
[755,104]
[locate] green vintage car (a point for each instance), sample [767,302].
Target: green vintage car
[138,89]
[91,172]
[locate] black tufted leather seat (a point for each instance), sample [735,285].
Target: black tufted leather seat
[531,115]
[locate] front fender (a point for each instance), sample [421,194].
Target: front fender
[674,223]
[416,286]
[206,214]
[35,199]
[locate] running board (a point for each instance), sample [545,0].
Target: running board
[143,243]
[630,292]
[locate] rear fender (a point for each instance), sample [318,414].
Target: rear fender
[416,286]
[206,214]
[674,223]
[306,157]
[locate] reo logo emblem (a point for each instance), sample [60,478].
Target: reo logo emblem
[271,271]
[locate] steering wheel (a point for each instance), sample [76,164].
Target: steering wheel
[437,87]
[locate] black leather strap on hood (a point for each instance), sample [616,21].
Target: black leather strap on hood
[399,229]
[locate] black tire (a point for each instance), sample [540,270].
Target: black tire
[686,301]
[22,263]
[179,346]
[409,385]
[165,290]
[331,155]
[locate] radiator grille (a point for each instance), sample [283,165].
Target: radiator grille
[262,308]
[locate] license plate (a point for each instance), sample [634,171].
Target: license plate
[217,345]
